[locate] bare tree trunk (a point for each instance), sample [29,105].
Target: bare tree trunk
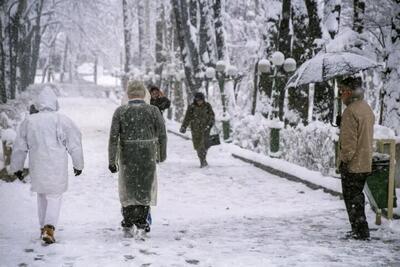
[359,13]
[127,43]
[189,53]
[219,30]
[14,45]
[205,42]
[160,42]
[96,63]
[36,42]
[142,34]
[65,60]
[284,46]
[3,91]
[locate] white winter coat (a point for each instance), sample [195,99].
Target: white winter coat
[48,137]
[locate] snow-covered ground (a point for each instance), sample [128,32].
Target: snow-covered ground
[230,214]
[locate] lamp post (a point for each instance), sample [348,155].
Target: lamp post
[209,75]
[276,67]
[224,73]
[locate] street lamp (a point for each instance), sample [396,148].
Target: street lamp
[276,67]
[209,75]
[225,72]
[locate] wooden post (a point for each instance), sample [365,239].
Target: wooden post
[391,178]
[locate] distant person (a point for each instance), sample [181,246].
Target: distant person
[48,137]
[137,130]
[158,99]
[200,116]
[356,137]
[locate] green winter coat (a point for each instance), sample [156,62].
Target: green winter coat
[201,119]
[137,131]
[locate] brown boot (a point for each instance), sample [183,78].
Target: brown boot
[48,234]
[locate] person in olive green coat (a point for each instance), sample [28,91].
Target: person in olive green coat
[200,116]
[137,131]
[356,138]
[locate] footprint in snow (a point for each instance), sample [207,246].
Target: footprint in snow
[194,262]
[129,257]
[146,252]
[39,258]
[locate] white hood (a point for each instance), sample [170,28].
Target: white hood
[47,100]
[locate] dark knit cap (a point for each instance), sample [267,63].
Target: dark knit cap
[352,82]
[199,96]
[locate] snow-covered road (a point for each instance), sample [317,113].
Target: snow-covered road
[230,214]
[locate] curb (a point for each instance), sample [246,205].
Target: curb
[288,176]
[276,172]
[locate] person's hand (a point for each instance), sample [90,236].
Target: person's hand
[19,175]
[77,172]
[182,130]
[343,168]
[113,168]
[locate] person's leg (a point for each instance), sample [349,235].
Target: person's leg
[53,209]
[42,206]
[358,207]
[202,153]
[141,214]
[346,191]
[128,216]
[51,217]
[353,185]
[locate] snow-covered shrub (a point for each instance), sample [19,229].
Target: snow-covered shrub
[310,146]
[251,132]
[8,136]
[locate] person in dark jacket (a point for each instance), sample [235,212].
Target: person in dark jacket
[137,134]
[356,138]
[200,116]
[158,99]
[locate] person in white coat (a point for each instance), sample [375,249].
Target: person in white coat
[48,137]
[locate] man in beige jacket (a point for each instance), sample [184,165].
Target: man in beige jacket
[356,137]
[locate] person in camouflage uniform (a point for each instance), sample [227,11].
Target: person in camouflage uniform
[200,116]
[137,133]
[356,138]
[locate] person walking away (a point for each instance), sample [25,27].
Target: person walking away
[48,137]
[356,138]
[137,129]
[200,116]
[158,99]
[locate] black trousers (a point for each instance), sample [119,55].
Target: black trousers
[135,215]
[354,199]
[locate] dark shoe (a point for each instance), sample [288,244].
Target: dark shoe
[128,232]
[48,234]
[147,228]
[203,163]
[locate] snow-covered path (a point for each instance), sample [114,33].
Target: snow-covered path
[230,214]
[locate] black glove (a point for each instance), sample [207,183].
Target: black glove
[343,168]
[338,120]
[19,175]
[182,130]
[113,168]
[77,172]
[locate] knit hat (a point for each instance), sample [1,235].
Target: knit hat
[353,83]
[199,96]
[136,88]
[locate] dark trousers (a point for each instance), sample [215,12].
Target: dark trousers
[135,215]
[352,188]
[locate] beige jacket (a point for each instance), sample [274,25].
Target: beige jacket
[356,137]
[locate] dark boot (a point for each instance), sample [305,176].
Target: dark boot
[48,234]
[202,154]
